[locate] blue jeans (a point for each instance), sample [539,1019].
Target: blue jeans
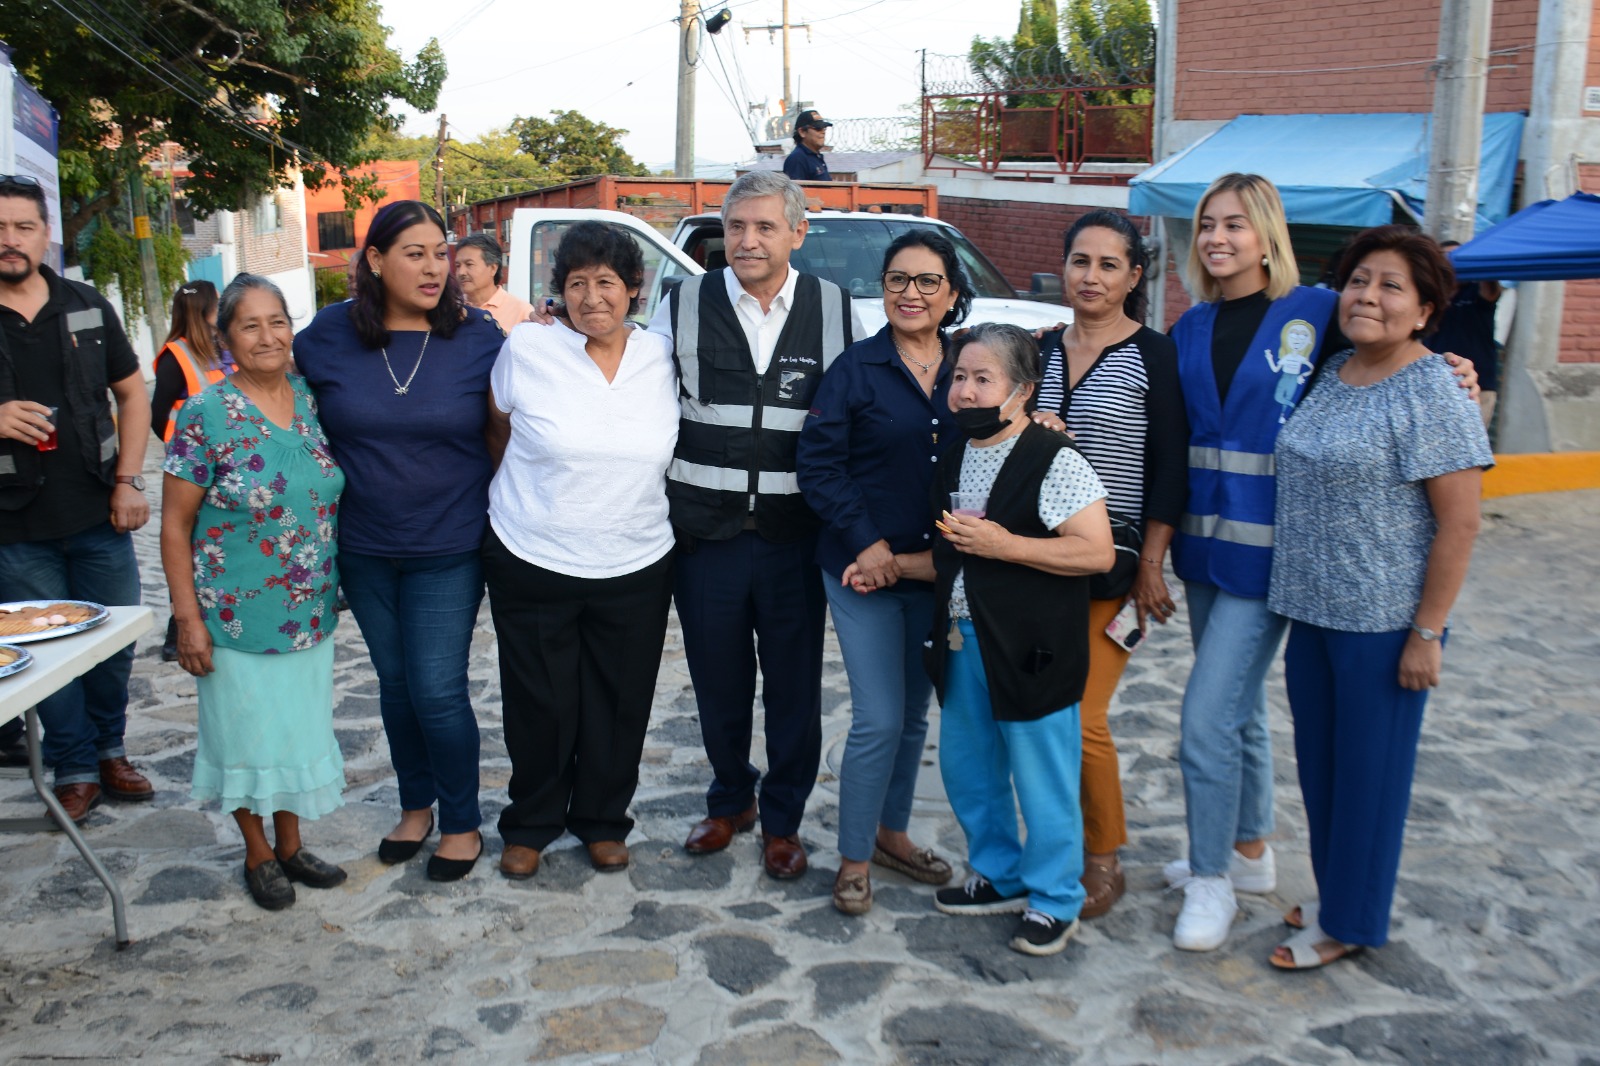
[1355,740]
[1226,749]
[85,721]
[881,636]
[417,616]
[982,761]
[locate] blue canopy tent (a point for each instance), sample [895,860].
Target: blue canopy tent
[1331,170]
[1552,240]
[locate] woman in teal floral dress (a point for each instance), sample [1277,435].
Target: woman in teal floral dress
[249,513]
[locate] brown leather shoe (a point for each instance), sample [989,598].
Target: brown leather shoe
[121,781]
[714,834]
[609,856]
[519,863]
[784,857]
[78,800]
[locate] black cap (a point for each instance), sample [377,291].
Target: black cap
[811,120]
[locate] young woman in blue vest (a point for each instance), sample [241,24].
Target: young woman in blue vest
[189,360]
[878,428]
[1243,362]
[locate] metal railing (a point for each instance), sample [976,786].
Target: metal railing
[1039,109]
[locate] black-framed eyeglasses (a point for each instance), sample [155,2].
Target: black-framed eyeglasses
[27,181]
[927,284]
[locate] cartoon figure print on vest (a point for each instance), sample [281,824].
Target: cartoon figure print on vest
[1296,346]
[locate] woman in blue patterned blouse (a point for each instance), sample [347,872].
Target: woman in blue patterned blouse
[1379,477]
[249,510]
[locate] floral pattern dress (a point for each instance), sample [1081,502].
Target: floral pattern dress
[264,540]
[266,576]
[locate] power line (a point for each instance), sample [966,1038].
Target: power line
[209,106]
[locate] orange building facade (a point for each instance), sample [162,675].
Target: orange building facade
[333,233]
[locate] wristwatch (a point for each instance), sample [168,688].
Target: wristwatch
[136,480]
[1423,632]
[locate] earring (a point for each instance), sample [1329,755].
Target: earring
[1264,261]
[377,273]
[1421,324]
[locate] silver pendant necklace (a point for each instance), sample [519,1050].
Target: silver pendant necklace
[925,366]
[399,389]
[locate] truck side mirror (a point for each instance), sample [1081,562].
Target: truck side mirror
[671,282]
[1045,286]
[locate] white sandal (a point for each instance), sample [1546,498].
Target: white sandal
[1303,949]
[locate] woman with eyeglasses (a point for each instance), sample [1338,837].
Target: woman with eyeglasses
[871,445]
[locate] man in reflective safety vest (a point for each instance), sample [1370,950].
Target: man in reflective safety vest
[752,341]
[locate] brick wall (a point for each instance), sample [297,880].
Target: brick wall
[1023,239]
[1580,314]
[1225,35]
[276,250]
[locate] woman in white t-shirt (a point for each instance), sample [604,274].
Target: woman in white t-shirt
[583,418]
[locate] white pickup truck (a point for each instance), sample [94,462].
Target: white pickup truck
[844,247]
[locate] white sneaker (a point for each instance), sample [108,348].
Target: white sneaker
[1248,875]
[1208,912]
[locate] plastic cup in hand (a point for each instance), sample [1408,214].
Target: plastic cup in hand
[969,504]
[52,442]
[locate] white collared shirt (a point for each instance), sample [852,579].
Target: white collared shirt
[761,329]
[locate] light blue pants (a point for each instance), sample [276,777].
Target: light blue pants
[983,761]
[1226,750]
[881,636]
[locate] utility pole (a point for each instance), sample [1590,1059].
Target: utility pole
[1458,95]
[688,64]
[785,26]
[438,167]
[155,304]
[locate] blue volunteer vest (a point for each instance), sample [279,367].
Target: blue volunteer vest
[1225,538]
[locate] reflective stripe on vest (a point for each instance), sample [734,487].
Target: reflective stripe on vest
[1231,462]
[728,479]
[1252,534]
[192,379]
[742,417]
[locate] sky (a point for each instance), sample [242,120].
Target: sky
[616,61]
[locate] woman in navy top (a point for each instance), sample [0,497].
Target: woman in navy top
[866,463]
[401,374]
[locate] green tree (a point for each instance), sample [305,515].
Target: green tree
[246,88]
[1111,42]
[570,146]
[1032,58]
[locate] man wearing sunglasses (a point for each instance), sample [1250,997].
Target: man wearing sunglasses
[805,163]
[70,489]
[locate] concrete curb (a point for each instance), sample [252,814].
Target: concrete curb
[1514,475]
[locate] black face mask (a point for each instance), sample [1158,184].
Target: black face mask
[981,423]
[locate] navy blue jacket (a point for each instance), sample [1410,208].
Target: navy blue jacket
[805,165]
[869,451]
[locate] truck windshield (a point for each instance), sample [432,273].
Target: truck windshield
[849,253]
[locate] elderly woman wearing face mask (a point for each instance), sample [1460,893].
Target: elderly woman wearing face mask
[480,268]
[1010,647]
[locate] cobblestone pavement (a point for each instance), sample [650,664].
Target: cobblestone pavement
[706,961]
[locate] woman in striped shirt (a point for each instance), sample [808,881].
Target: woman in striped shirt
[1112,383]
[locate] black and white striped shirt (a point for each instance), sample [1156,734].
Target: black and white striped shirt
[1127,417]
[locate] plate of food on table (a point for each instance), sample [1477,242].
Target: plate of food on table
[13,660]
[24,621]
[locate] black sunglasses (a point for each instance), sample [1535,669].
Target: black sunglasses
[27,181]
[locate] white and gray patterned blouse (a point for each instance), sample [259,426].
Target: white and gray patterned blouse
[1069,486]
[1354,525]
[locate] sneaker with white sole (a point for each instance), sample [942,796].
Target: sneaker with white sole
[978,896]
[1038,933]
[1208,912]
[1248,875]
